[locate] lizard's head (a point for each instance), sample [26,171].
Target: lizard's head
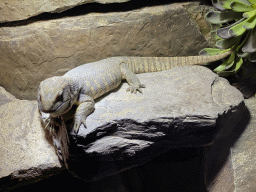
[54,96]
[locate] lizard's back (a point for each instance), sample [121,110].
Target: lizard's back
[105,75]
[97,78]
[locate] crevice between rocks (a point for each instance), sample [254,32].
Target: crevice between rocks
[87,8]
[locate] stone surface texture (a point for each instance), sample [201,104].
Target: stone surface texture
[26,153]
[187,106]
[19,10]
[243,154]
[197,13]
[33,52]
[224,179]
[236,154]
[181,107]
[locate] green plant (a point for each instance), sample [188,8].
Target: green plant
[236,21]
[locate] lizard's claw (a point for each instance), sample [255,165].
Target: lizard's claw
[78,122]
[135,89]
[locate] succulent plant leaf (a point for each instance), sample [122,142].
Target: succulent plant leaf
[249,14]
[243,54]
[239,63]
[252,2]
[236,21]
[250,45]
[244,1]
[212,51]
[227,43]
[236,68]
[223,32]
[252,57]
[225,73]
[238,29]
[223,67]
[216,4]
[241,7]
[246,35]
[239,1]
[225,3]
[229,66]
[251,23]
[216,37]
[239,51]
[219,17]
[228,62]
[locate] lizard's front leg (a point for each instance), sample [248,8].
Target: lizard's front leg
[131,78]
[84,109]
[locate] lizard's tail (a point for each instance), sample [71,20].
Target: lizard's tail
[154,64]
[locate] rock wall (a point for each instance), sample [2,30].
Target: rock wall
[33,50]
[19,10]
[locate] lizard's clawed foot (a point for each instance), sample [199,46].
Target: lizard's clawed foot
[47,121]
[78,122]
[135,89]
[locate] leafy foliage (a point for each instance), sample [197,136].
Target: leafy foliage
[236,20]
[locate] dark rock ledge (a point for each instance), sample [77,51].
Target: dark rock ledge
[185,107]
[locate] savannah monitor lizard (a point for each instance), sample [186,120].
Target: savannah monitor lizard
[81,85]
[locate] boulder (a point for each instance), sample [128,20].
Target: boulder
[34,51]
[184,107]
[27,153]
[20,10]
[187,106]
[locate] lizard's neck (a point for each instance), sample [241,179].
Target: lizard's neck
[74,88]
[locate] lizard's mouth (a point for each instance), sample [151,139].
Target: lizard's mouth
[57,110]
[61,109]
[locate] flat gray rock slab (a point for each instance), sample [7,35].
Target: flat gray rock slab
[184,107]
[27,155]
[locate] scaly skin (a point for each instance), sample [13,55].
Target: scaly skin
[81,85]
